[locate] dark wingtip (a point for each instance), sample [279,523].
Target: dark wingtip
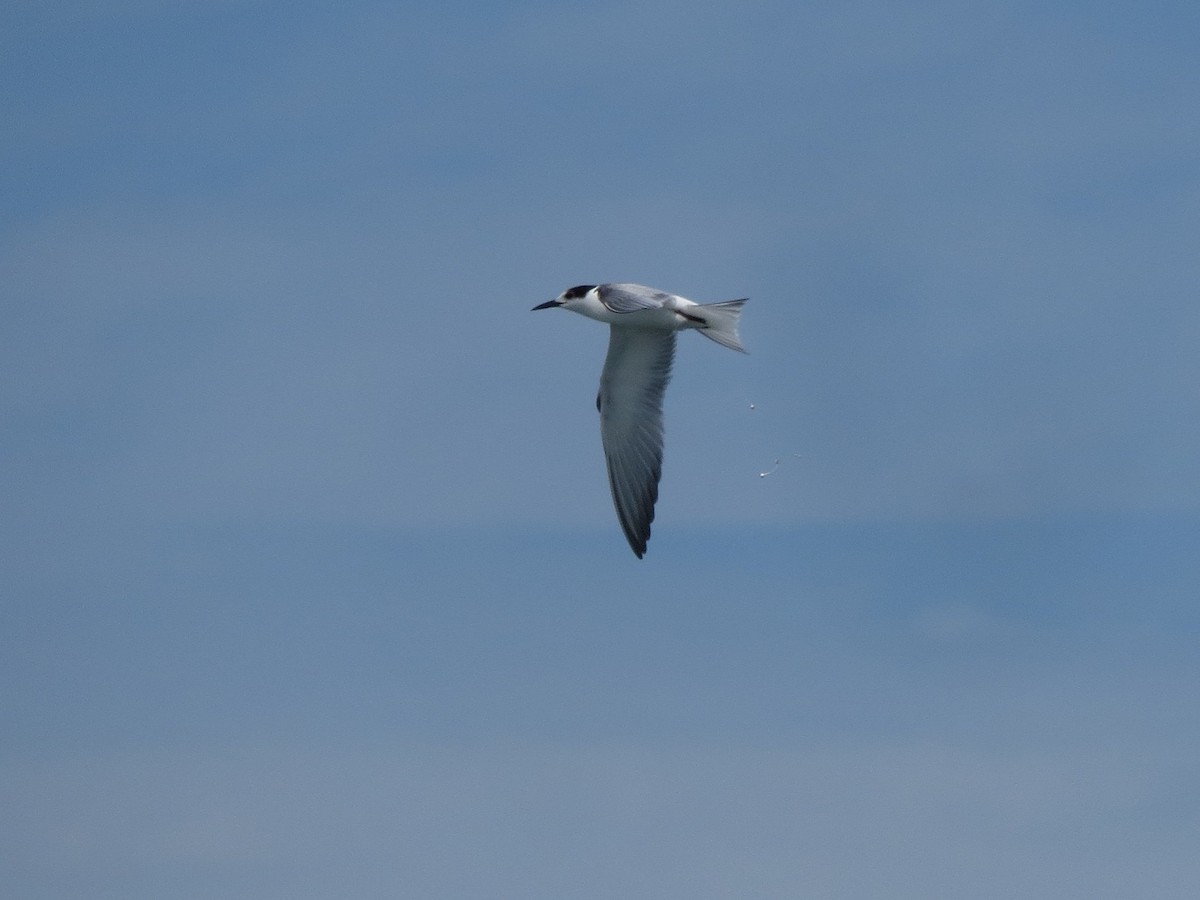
[638,544]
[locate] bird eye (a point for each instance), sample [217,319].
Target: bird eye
[578,291]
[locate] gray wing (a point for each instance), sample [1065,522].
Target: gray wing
[636,372]
[623,298]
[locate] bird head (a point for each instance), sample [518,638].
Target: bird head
[567,297]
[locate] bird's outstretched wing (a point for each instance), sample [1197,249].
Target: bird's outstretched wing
[636,372]
[623,298]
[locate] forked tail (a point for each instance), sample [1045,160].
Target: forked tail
[720,322]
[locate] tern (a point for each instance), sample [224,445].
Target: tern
[641,348]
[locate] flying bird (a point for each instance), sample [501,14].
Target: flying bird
[641,348]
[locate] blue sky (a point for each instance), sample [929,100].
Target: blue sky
[310,580]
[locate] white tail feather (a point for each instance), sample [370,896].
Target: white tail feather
[720,322]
